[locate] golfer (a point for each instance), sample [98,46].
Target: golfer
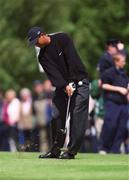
[65,70]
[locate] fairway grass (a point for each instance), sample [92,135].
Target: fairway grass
[21,166]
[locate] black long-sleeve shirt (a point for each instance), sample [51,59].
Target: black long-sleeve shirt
[61,62]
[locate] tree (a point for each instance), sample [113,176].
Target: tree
[89,22]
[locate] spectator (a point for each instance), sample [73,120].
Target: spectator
[113,46]
[48,93]
[4,145]
[47,90]
[127,130]
[40,114]
[1,105]
[105,62]
[25,123]
[115,83]
[11,116]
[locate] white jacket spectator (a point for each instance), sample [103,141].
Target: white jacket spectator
[14,111]
[13,108]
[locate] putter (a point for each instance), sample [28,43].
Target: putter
[69,99]
[61,134]
[67,123]
[68,105]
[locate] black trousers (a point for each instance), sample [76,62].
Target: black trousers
[78,115]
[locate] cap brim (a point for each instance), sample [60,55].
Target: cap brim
[33,42]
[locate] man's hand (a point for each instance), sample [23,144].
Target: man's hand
[122,90]
[69,90]
[119,89]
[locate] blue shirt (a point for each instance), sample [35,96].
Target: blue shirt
[115,77]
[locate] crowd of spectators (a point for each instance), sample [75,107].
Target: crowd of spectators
[25,118]
[110,94]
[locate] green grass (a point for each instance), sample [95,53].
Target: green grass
[27,166]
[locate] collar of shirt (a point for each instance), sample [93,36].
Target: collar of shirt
[120,71]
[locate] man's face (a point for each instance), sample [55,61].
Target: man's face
[38,88]
[43,40]
[9,95]
[121,62]
[47,86]
[113,50]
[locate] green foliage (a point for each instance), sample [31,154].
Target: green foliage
[89,22]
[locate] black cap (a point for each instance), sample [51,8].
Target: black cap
[34,34]
[112,42]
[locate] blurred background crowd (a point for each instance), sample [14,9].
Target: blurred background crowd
[26,95]
[25,118]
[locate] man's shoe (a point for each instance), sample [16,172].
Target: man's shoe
[48,155]
[53,153]
[66,155]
